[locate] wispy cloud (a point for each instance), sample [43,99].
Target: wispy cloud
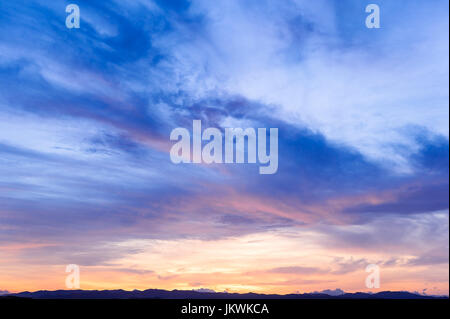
[85,118]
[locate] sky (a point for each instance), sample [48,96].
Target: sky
[363,136]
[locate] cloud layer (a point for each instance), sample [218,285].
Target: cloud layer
[86,114]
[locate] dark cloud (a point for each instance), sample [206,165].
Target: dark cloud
[428,259]
[133,271]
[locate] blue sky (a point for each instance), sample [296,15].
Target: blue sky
[362,115]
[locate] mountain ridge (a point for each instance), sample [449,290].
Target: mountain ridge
[191,294]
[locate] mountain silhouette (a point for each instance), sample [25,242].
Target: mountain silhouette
[189,294]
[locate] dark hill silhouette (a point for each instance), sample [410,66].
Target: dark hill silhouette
[188,294]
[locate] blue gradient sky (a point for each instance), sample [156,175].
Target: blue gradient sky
[85,119]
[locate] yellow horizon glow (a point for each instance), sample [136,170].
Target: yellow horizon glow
[235,264]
